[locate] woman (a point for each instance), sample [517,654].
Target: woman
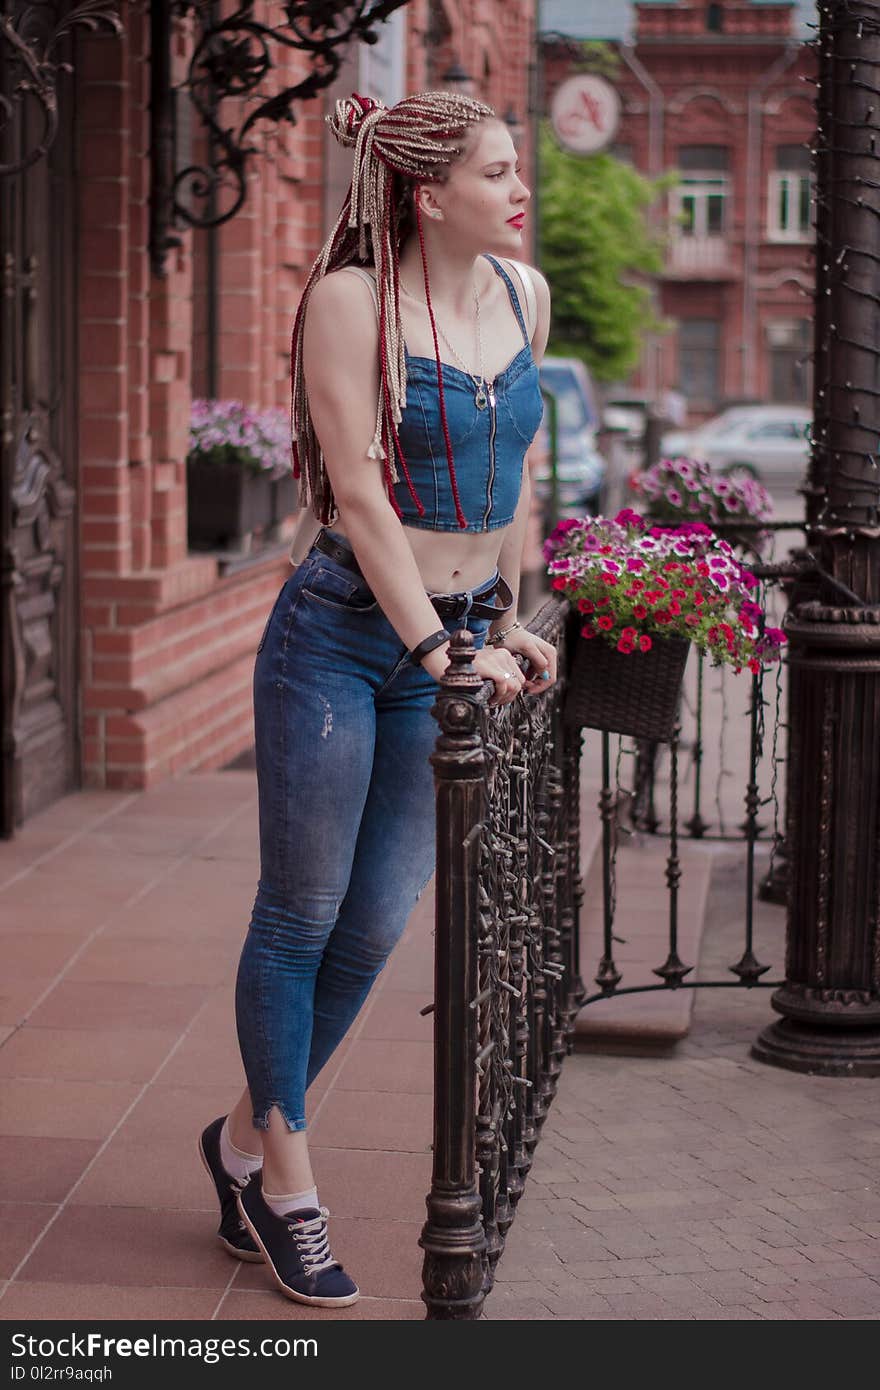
[415,460]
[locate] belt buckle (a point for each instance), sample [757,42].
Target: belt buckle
[461,605]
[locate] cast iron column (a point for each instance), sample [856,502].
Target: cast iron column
[830,1001]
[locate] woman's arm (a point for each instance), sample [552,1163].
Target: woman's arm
[511,552]
[340,363]
[541,655]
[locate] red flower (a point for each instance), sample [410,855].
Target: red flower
[674,607]
[624,645]
[754,665]
[679,593]
[637,585]
[629,634]
[585,605]
[698,599]
[560,584]
[661,616]
[689,581]
[606,549]
[703,569]
[640,611]
[692,619]
[588,630]
[603,602]
[670,566]
[661,583]
[645,643]
[606,622]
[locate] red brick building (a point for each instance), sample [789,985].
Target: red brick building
[719,92]
[127,657]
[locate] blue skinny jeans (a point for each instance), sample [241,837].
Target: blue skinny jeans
[346,798]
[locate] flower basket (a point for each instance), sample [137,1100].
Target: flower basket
[239,483]
[643,596]
[622,694]
[225,505]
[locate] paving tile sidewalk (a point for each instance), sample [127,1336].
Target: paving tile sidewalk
[691,1182]
[121,920]
[687,1182]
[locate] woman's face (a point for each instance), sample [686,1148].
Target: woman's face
[483,201]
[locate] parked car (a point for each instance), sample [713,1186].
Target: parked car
[580,468]
[767,442]
[680,443]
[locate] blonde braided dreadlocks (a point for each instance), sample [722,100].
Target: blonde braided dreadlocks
[394,149]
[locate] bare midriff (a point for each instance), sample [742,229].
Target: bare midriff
[447,561]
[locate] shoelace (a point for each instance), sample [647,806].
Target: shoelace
[311,1239]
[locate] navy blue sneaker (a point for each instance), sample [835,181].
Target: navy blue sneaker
[296,1249]
[232,1232]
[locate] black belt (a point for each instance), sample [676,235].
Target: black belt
[446,605]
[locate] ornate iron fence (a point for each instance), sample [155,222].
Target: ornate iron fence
[507,986]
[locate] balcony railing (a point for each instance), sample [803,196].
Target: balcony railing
[699,255]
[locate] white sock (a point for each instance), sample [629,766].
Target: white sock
[237,1163]
[292,1201]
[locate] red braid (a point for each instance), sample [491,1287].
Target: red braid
[453,481]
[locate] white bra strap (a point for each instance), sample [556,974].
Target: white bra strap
[370,279]
[531,300]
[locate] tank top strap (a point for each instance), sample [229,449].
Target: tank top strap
[514,297]
[360,271]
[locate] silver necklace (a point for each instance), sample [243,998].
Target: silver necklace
[484,391]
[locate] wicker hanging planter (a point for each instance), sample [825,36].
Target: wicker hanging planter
[632,693]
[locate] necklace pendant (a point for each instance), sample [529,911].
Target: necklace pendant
[481,400]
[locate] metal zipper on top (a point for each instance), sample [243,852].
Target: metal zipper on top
[490,388]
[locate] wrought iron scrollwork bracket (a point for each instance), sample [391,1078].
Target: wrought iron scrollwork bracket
[29,52]
[232,57]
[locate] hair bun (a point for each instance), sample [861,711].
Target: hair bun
[350,114]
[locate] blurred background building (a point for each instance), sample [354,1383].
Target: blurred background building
[719,93]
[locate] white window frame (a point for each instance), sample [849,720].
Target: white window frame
[775,230]
[700,187]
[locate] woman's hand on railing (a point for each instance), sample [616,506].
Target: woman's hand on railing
[502,669]
[539,658]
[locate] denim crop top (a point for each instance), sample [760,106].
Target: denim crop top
[488,445]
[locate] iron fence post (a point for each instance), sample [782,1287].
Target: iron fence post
[830,1001]
[453,1237]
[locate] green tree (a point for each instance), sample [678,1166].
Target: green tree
[597,247]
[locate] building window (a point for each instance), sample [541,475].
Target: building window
[789,195]
[714,19]
[698,204]
[788,346]
[699,359]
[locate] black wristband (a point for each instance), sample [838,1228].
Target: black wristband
[428,644]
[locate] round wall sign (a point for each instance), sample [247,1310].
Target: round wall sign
[585,113]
